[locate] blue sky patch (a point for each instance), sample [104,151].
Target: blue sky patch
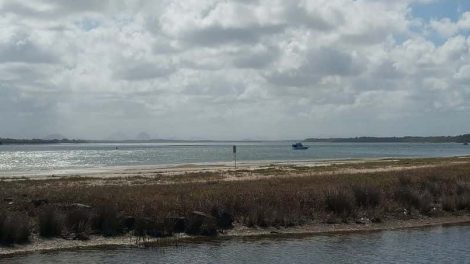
[88,24]
[440,9]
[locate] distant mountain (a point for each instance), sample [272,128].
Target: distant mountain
[438,139]
[142,136]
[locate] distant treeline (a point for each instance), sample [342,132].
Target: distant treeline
[440,139]
[39,141]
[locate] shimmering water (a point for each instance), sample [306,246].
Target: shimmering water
[430,245]
[34,158]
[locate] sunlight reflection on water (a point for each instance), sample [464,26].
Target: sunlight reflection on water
[34,158]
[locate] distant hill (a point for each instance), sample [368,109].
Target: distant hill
[438,139]
[142,136]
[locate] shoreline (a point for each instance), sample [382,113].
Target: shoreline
[191,166]
[310,230]
[175,169]
[188,174]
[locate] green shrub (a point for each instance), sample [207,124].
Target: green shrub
[51,223]
[14,229]
[340,202]
[412,198]
[201,224]
[434,188]
[78,221]
[463,188]
[367,197]
[107,221]
[223,216]
[463,201]
[404,180]
[449,203]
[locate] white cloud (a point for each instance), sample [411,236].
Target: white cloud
[229,69]
[447,28]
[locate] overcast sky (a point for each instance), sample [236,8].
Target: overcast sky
[234,69]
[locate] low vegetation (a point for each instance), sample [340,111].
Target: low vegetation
[14,228]
[50,222]
[57,208]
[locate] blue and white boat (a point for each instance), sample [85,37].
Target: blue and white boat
[299,145]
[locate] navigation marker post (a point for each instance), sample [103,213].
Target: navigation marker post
[234,149]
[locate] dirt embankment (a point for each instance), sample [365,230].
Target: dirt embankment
[46,245]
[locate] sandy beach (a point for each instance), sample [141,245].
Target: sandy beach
[225,171]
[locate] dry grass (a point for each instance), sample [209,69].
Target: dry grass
[287,201]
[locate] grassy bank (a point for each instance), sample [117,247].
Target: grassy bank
[65,208]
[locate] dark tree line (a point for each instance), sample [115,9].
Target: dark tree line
[39,141]
[439,139]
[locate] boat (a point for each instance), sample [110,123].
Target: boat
[299,145]
[466,143]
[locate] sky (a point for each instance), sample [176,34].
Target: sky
[241,69]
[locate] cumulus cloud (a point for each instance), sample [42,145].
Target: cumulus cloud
[231,69]
[21,48]
[142,71]
[447,28]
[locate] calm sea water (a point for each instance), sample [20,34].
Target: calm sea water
[430,245]
[48,158]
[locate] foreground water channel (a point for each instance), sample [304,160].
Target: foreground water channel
[425,245]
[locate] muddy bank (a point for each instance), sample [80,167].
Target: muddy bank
[47,245]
